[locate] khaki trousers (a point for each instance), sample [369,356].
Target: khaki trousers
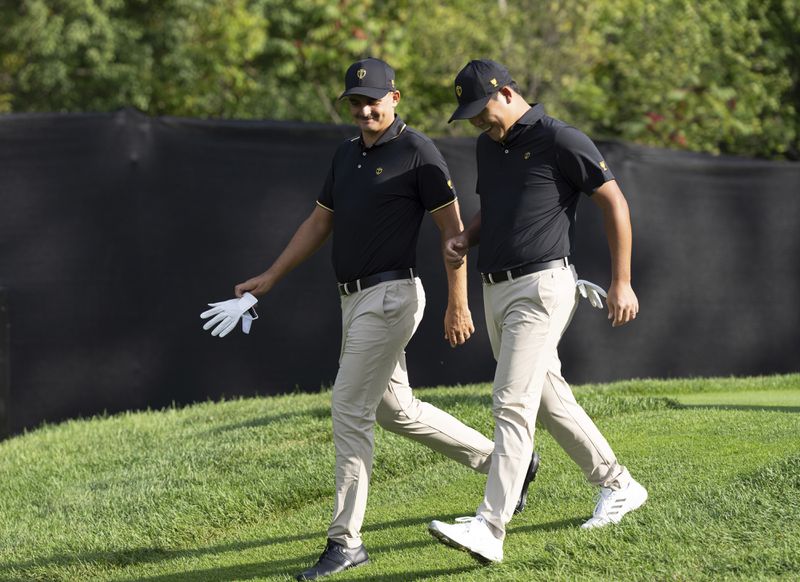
[526,318]
[372,384]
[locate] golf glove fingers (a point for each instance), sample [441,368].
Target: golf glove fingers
[592,292]
[224,315]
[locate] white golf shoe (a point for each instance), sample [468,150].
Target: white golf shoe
[470,534]
[613,504]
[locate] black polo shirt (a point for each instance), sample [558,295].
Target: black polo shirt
[378,196]
[529,187]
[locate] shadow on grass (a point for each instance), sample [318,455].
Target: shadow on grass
[318,413]
[412,574]
[449,401]
[137,556]
[265,569]
[293,566]
[549,526]
[762,407]
[290,567]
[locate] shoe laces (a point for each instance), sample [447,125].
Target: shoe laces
[470,522]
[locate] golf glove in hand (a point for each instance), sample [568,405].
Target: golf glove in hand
[226,314]
[592,292]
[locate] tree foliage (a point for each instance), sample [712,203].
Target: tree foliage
[717,76]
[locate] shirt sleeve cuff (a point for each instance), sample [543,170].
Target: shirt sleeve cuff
[446,204]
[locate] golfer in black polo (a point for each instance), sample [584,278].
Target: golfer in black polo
[380,185]
[532,169]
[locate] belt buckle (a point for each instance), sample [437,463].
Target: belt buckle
[345,289]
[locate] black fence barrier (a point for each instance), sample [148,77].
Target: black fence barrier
[117,229]
[4,363]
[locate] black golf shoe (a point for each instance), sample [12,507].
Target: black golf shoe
[523,496]
[336,558]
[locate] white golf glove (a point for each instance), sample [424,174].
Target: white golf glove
[592,292]
[226,314]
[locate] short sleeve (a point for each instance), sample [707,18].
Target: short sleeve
[434,184]
[325,198]
[580,161]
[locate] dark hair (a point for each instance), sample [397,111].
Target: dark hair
[512,85]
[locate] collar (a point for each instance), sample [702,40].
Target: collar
[392,132]
[530,117]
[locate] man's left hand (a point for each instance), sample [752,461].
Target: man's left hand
[457,325]
[623,306]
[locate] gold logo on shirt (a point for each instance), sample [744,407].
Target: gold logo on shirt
[603,166]
[450,184]
[527,155]
[459,90]
[361,73]
[493,82]
[378,171]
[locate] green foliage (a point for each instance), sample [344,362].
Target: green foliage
[201,56]
[68,55]
[179,57]
[721,76]
[310,44]
[692,75]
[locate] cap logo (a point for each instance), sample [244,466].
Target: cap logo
[603,166]
[493,82]
[378,171]
[361,73]
[450,184]
[392,82]
[459,90]
[527,155]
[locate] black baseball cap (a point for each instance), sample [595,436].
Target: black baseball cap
[371,77]
[475,84]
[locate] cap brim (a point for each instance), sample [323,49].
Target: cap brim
[370,92]
[469,110]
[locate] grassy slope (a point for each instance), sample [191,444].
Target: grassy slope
[241,490]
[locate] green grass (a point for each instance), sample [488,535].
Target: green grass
[764,398]
[241,490]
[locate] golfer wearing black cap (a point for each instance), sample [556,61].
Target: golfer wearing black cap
[378,188]
[532,169]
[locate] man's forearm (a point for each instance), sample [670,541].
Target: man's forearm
[456,284]
[448,220]
[473,231]
[618,231]
[307,239]
[458,325]
[623,305]
[617,225]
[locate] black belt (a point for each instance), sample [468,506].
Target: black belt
[511,274]
[370,281]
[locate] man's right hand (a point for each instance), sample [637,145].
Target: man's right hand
[256,286]
[454,250]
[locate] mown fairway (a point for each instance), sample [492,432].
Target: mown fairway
[242,490]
